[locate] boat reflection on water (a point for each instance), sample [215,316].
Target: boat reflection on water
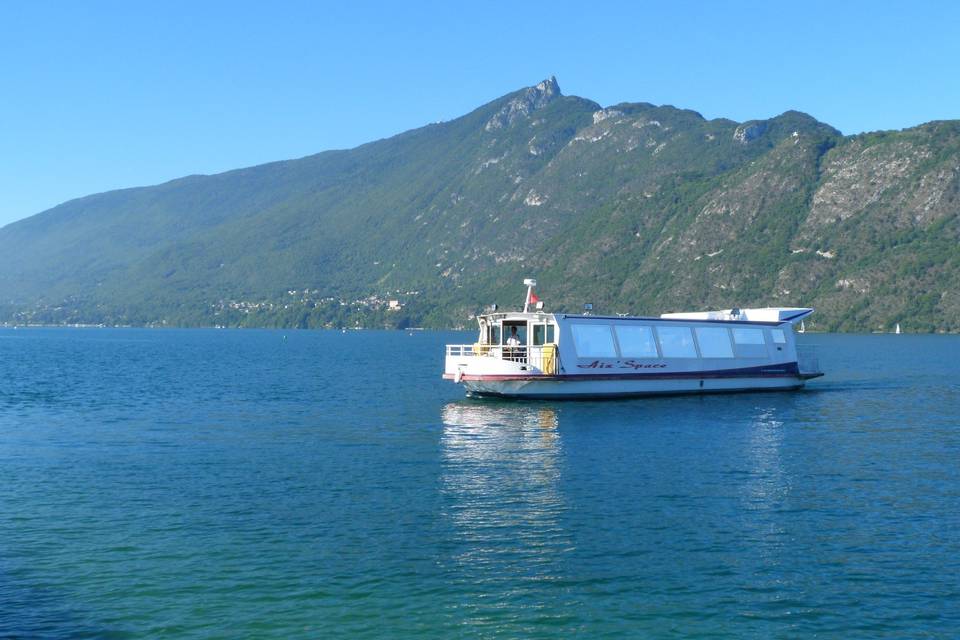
[493,423]
[501,485]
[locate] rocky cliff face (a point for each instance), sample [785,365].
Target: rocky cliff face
[522,105]
[633,207]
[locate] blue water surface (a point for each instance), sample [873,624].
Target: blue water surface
[270,484]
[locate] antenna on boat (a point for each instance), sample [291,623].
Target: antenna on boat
[530,284]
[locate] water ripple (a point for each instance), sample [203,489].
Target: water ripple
[198,484]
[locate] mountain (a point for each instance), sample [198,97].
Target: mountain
[633,207]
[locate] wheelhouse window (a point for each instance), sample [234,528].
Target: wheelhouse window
[749,343]
[539,334]
[676,342]
[521,333]
[636,341]
[714,342]
[778,336]
[543,334]
[593,341]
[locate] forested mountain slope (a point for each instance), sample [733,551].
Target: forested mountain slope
[633,207]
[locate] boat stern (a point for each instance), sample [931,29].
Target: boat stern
[478,361]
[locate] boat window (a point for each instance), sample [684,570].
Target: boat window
[714,342]
[676,342]
[494,335]
[778,336]
[593,341]
[749,343]
[521,332]
[748,336]
[543,333]
[636,341]
[539,333]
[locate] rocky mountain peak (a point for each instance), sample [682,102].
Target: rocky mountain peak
[523,103]
[548,87]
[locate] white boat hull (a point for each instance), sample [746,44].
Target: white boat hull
[594,388]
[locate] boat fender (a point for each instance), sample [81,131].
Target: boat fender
[458,376]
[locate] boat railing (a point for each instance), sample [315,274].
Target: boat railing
[807,360]
[542,357]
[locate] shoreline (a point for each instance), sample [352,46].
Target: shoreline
[17,326]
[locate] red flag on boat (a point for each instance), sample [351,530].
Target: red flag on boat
[533,298]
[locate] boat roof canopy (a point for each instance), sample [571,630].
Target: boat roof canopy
[771,315]
[766,314]
[519,316]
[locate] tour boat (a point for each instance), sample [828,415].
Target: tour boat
[535,354]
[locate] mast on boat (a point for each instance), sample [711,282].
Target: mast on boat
[531,298]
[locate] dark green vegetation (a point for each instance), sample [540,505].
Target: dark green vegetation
[633,207]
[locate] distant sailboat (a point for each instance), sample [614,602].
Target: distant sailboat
[897,330]
[802,329]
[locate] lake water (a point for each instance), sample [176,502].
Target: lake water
[204,484]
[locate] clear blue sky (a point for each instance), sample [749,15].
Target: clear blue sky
[103,95]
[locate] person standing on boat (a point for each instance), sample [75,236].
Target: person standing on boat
[512,342]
